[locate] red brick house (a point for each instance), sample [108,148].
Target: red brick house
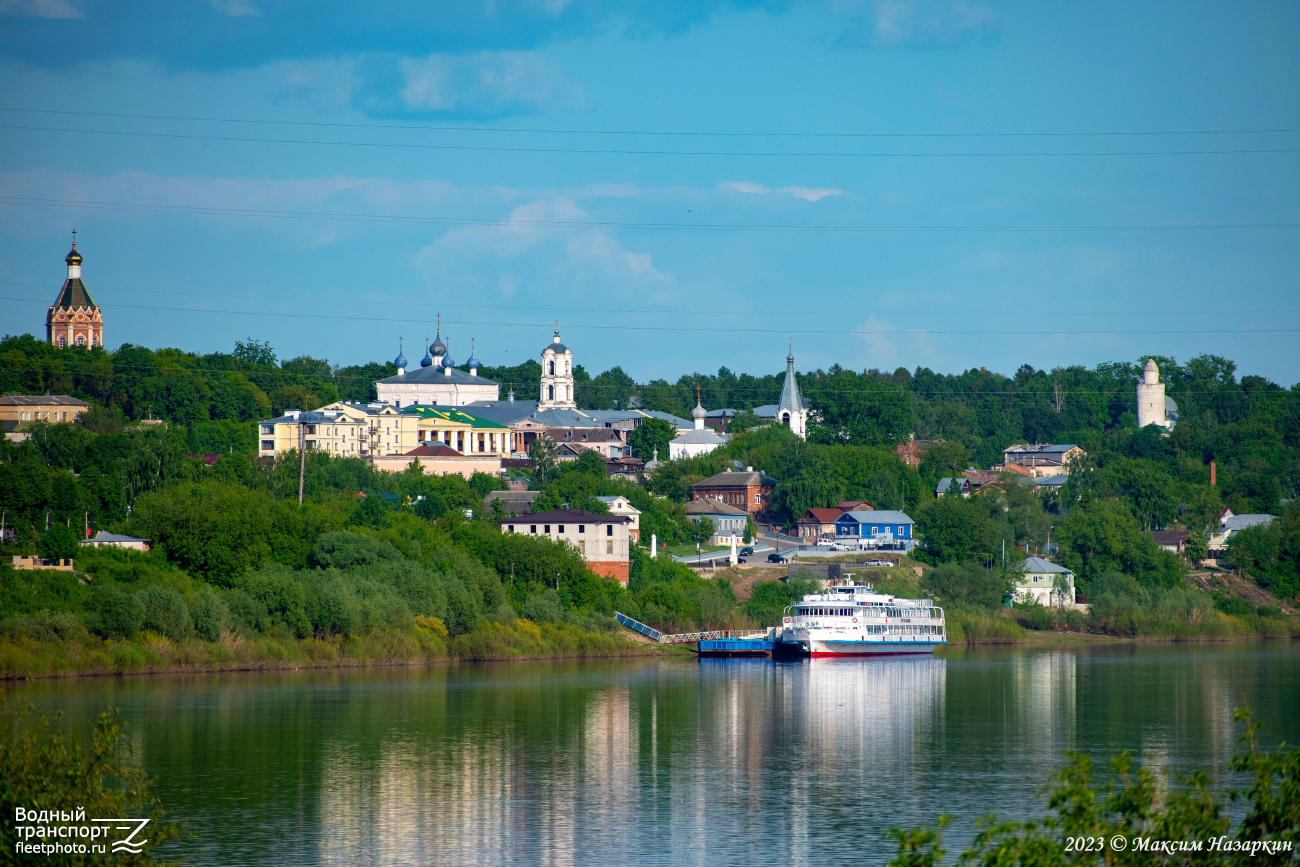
[749,489]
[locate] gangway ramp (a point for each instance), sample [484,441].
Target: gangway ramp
[683,637]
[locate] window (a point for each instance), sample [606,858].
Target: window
[582,528]
[561,529]
[63,342]
[267,445]
[756,499]
[609,529]
[609,547]
[533,528]
[550,392]
[81,340]
[546,528]
[512,528]
[582,548]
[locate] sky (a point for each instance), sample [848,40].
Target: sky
[683,186]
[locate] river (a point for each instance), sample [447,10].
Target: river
[661,762]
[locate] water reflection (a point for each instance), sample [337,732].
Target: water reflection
[717,762]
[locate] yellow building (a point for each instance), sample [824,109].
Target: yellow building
[344,429]
[468,434]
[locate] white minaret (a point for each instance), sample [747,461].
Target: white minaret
[557,375]
[1151,397]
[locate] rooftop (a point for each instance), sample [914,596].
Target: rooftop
[877,516]
[435,374]
[1039,566]
[41,400]
[735,479]
[713,507]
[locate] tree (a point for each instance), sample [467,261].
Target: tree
[542,452]
[1103,536]
[651,437]
[955,529]
[255,352]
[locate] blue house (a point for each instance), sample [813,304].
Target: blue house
[875,529]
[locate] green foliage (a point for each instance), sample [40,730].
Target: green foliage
[1135,804]
[46,767]
[954,529]
[114,613]
[371,512]
[346,550]
[968,584]
[165,612]
[1104,536]
[651,437]
[769,599]
[1271,553]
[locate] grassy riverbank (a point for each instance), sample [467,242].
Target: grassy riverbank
[45,652]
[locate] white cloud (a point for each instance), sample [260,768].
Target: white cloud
[235,8]
[745,187]
[810,194]
[918,23]
[40,8]
[486,82]
[569,255]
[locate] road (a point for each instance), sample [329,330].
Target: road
[760,553]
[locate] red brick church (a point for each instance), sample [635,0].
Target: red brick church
[74,319]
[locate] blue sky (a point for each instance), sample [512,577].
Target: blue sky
[506,164]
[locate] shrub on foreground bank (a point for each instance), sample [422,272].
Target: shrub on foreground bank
[43,767]
[1087,824]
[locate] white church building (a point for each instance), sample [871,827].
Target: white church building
[437,382]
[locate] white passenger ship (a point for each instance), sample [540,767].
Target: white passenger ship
[854,620]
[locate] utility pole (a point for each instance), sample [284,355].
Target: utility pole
[302,455]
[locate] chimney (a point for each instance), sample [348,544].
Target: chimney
[1211,474]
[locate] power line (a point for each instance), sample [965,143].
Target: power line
[648,152]
[625,132]
[641,312]
[680,329]
[770,389]
[609,224]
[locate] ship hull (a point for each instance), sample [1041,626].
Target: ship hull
[821,649]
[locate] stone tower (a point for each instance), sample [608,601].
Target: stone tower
[557,376]
[1151,397]
[74,319]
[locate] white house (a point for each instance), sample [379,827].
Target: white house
[620,505]
[1038,583]
[700,440]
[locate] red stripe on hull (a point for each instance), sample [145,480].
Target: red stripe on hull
[824,653]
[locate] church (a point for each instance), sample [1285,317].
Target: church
[437,381]
[74,319]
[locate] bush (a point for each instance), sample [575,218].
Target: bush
[344,550]
[210,615]
[967,584]
[247,614]
[114,613]
[165,612]
[44,627]
[544,607]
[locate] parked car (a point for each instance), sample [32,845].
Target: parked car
[747,551]
[841,546]
[825,542]
[777,558]
[740,561]
[879,563]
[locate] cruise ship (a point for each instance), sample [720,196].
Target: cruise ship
[854,620]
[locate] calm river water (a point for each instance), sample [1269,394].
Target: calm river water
[710,763]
